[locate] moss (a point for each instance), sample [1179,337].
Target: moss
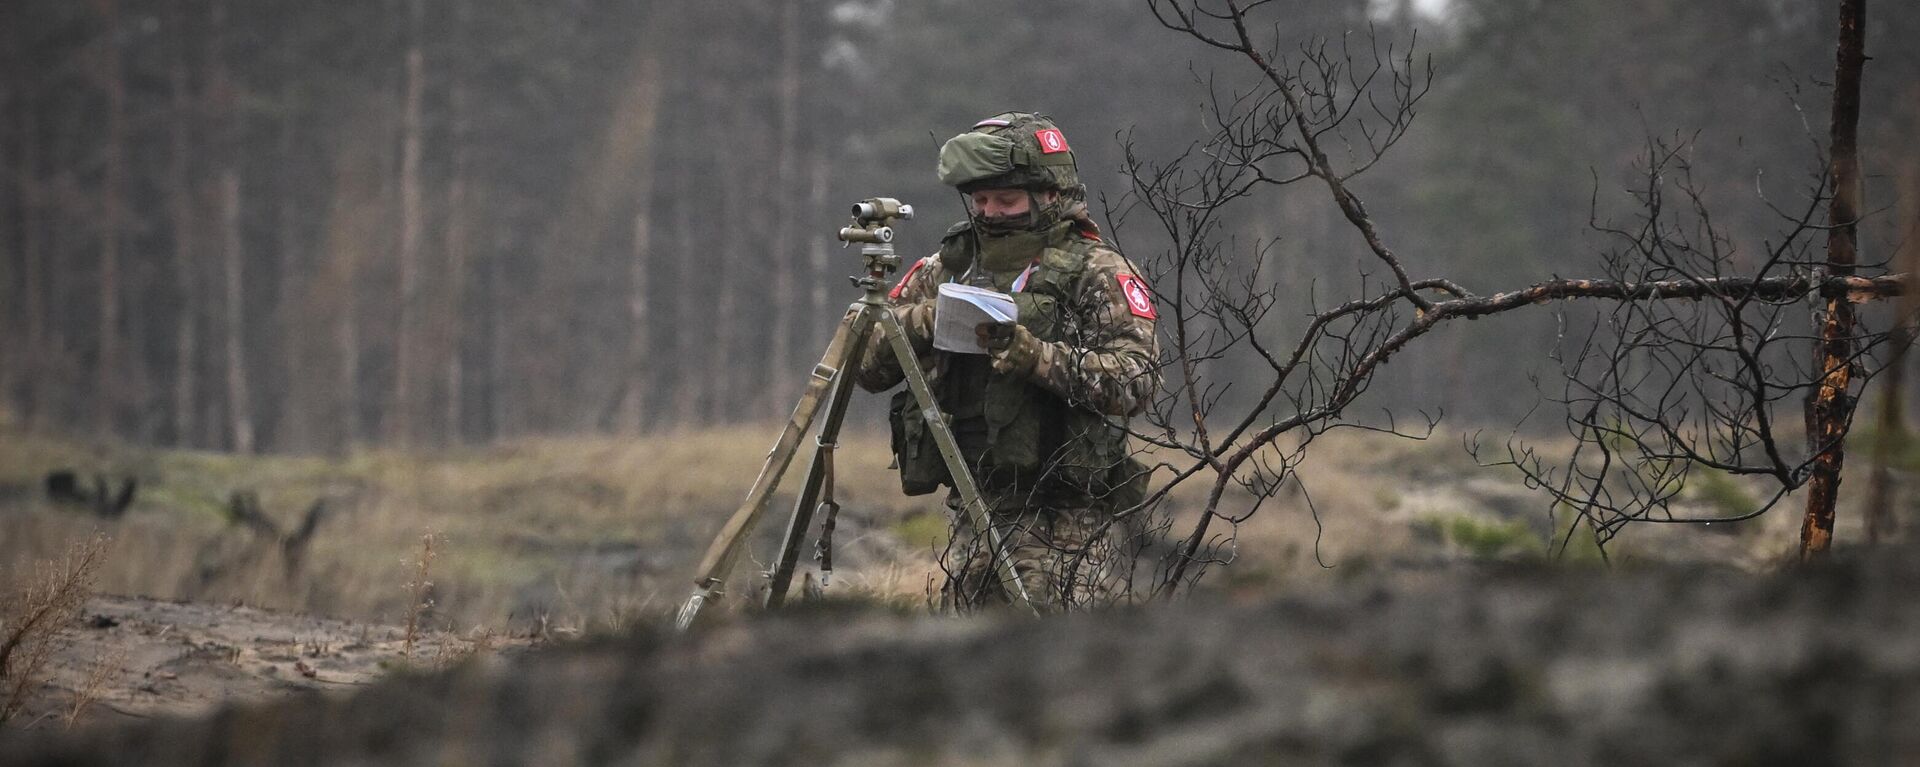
[923,529]
[1484,539]
[1720,490]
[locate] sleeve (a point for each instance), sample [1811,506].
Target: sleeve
[877,370]
[1109,359]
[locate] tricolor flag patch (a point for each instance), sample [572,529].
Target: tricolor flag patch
[1139,299]
[1052,141]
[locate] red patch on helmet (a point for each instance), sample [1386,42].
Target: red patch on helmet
[1052,141]
[1139,299]
[904,279]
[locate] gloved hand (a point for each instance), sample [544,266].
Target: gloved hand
[1014,349]
[917,320]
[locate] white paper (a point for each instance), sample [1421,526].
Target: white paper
[960,309]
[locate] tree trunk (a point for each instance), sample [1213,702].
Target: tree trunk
[496,330]
[633,411]
[723,315]
[289,265]
[109,370]
[239,409]
[1831,406]
[33,269]
[781,371]
[1890,433]
[238,419]
[640,112]
[13,97]
[180,205]
[694,329]
[457,238]
[403,415]
[819,256]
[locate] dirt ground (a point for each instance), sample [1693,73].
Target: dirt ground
[134,659]
[1496,664]
[1413,615]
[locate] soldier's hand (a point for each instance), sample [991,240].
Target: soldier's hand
[917,320]
[1013,348]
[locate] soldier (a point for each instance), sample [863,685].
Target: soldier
[1040,418]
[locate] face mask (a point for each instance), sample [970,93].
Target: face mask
[1001,226]
[1039,217]
[1010,252]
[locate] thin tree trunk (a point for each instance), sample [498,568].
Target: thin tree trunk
[721,378]
[1831,407]
[696,328]
[33,257]
[496,329]
[457,239]
[641,113]
[180,204]
[109,370]
[819,257]
[781,360]
[403,415]
[633,411]
[63,232]
[289,265]
[238,419]
[239,410]
[13,181]
[1890,433]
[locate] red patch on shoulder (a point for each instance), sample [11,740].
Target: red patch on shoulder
[894,295]
[1139,299]
[1051,140]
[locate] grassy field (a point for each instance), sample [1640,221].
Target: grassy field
[578,534]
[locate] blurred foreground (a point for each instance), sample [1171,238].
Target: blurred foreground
[537,541]
[1488,664]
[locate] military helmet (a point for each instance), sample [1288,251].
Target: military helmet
[1011,150]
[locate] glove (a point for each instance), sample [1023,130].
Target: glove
[917,320]
[1013,348]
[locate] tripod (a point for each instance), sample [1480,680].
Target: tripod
[830,380]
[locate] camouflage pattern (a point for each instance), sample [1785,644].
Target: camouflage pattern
[1063,554]
[1105,363]
[1108,367]
[1039,420]
[1011,150]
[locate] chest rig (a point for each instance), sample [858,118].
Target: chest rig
[1018,436]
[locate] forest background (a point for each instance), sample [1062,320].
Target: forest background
[282,226]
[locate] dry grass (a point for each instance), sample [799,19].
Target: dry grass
[34,621]
[421,591]
[566,536]
[100,675]
[572,533]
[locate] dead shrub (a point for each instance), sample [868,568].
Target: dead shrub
[35,620]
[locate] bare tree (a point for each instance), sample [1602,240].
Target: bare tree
[1689,360]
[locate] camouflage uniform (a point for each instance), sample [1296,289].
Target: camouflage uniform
[1047,446]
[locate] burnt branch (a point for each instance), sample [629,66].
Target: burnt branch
[1684,350]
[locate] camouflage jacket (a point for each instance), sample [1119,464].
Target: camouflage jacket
[1107,362]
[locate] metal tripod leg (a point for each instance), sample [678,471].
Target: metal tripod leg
[956,465]
[721,555]
[848,343]
[781,575]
